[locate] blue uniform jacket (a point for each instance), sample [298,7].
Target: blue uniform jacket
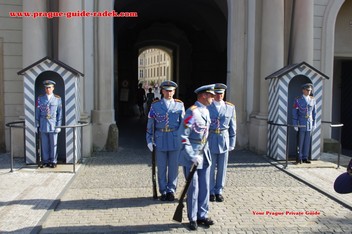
[48,113]
[222,132]
[163,125]
[194,133]
[304,113]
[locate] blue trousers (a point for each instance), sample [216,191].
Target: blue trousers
[198,193]
[304,144]
[49,147]
[167,164]
[217,181]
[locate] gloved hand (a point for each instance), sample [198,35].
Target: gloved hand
[57,130]
[197,160]
[232,148]
[296,129]
[150,147]
[36,130]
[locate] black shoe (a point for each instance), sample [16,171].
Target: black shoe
[219,198]
[306,161]
[206,222]
[193,225]
[170,196]
[45,165]
[163,197]
[212,198]
[53,165]
[299,162]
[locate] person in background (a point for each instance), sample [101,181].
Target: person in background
[150,99]
[141,99]
[222,140]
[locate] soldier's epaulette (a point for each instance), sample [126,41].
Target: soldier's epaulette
[229,103]
[298,97]
[57,96]
[193,107]
[41,95]
[156,100]
[177,100]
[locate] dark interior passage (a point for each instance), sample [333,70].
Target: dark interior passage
[346,103]
[196,33]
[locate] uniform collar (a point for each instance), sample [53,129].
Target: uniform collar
[50,96]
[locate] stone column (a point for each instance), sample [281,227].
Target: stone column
[2,97]
[236,64]
[103,114]
[302,33]
[71,40]
[271,60]
[34,33]
[34,46]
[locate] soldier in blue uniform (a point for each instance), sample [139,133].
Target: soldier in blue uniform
[48,116]
[222,139]
[304,114]
[164,119]
[195,150]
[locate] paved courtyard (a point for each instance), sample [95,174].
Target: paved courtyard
[112,193]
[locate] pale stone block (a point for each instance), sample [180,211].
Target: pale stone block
[319,10]
[13,62]
[11,35]
[321,2]
[87,141]
[5,9]
[11,23]
[17,141]
[12,49]
[112,143]
[14,110]
[13,86]
[13,98]
[317,44]
[10,74]
[12,2]
[318,21]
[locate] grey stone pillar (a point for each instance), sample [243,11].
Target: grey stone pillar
[2,97]
[236,64]
[271,60]
[103,113]
[302,38]
[71,40]
[34,33]
[34,44]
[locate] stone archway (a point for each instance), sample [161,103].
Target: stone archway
[198,40]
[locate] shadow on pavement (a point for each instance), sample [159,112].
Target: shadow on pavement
[112,229]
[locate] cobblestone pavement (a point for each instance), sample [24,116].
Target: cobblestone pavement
[112,193]
[27,194]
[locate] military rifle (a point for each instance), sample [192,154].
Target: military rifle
[155,195]
[38,148]
[179,209]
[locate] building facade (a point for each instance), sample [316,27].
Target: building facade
[153,67]
[237,42]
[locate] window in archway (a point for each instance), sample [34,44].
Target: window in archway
[154,67]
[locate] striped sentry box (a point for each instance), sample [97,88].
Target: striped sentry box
[279,104]
[72,109]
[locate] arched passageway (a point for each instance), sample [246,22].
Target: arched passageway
[195,32]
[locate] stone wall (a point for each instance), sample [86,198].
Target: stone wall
[11,34]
